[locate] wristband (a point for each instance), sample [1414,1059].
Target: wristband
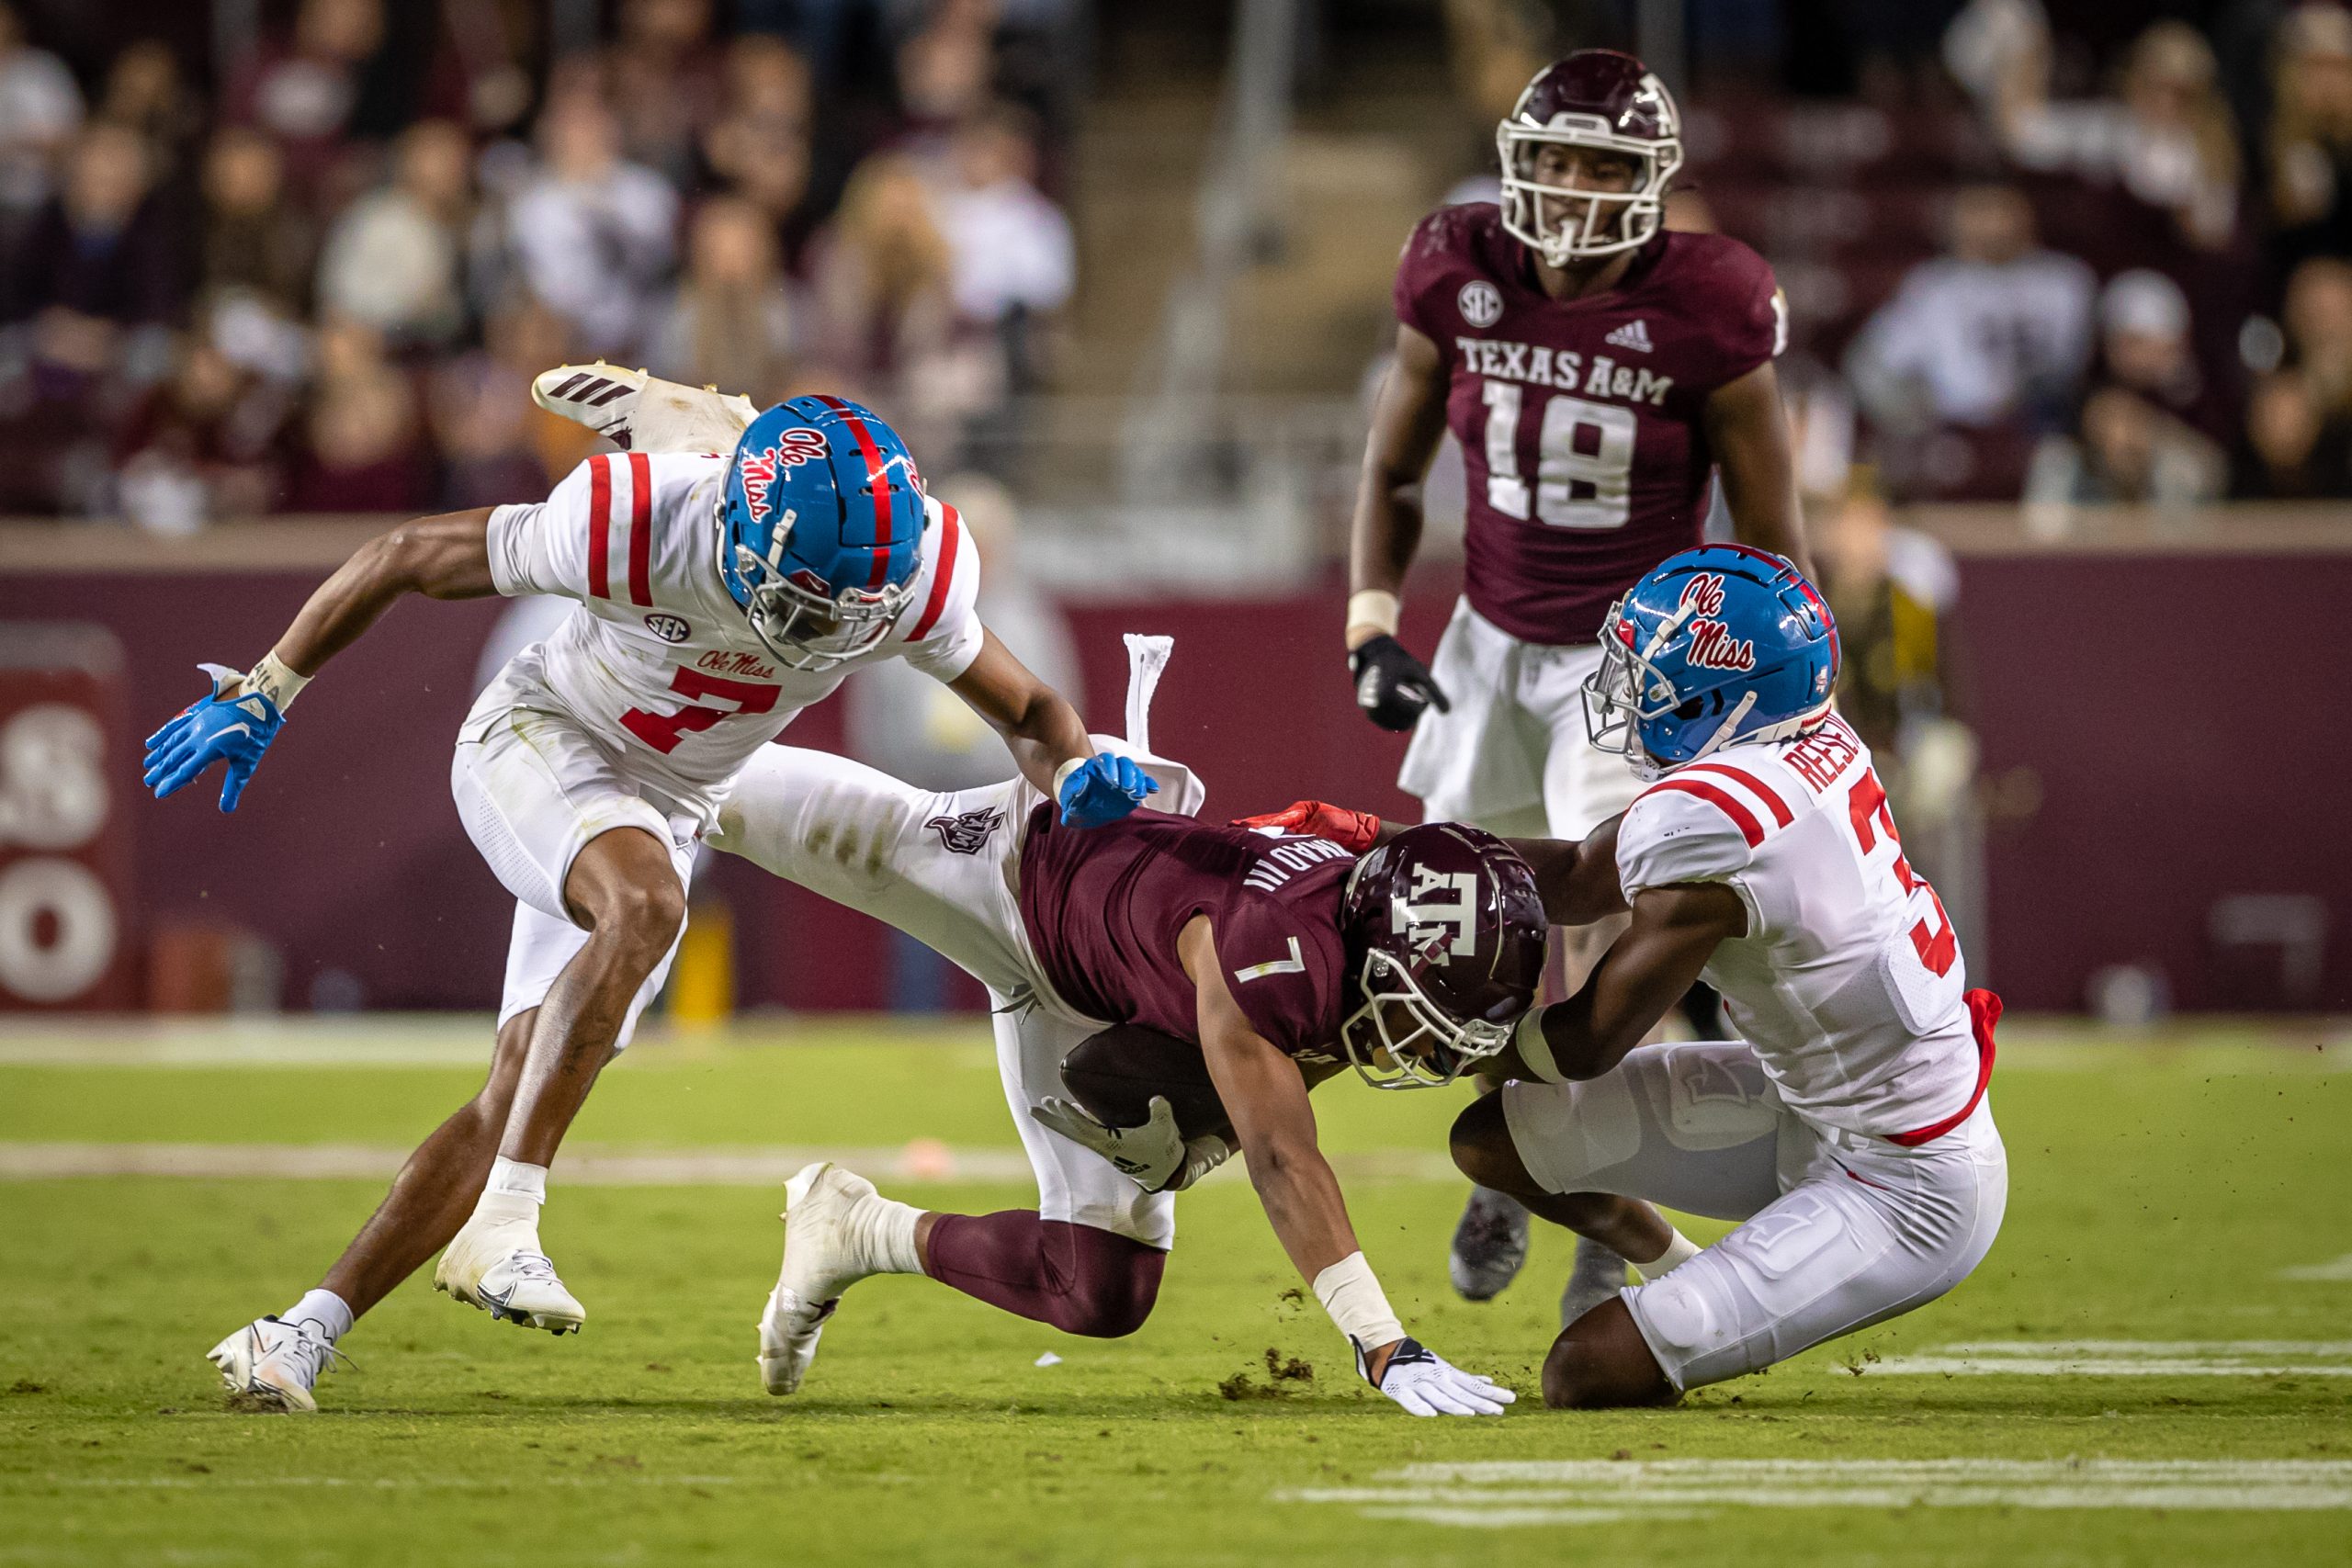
[1062,773]
[1375,607]
[273,679]
[1353,1298]
[1535,1050]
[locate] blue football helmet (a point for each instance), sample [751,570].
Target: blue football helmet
[820,530]
[1717,646]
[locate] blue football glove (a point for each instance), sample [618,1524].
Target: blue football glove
[213,729]
[1103,789]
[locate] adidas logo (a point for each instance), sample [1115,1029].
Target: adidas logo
[1634,335]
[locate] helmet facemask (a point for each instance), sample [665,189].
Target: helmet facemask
[1596,223]
[804,629]
[1432,1046]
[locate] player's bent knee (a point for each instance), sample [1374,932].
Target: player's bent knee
[1482,1147]
[1601,1363]
[1111,1286]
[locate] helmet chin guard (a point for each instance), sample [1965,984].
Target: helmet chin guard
[1610,102]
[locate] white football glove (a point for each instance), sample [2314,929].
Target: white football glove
[1153,1156]
[1426,1383]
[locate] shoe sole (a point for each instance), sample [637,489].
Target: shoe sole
[556,1323]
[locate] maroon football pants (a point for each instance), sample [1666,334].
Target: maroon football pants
[1080,1280]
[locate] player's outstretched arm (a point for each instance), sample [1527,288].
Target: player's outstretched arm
[1577,878]
[1748,430]
[1392,686]
[1645,971]
[1274,1122]
[1049,740]
[443,557]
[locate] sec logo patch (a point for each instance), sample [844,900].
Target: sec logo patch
[669,628]
[1481,302]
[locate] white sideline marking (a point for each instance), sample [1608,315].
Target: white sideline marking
[923,1160]
[2340,1268]
[2126,1358]
[1496,1494]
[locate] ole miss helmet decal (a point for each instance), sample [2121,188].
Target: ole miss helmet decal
[759,468]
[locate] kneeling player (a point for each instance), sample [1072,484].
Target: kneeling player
[1848,1127]
[1253,945]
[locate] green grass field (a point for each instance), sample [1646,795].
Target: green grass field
[2152,1367]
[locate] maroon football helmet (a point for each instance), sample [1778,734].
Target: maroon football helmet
[1597,98]
[1446,931]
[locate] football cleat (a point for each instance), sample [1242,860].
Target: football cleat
[638,412]
[1489,1245]
[269,1365]
[1597,1275]
[494,1263]
[822,1257]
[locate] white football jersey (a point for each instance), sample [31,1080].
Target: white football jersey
[658,663]
[1849,981]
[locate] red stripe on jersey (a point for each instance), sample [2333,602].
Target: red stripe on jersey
[640,530]
[1983,1013]
[1744,820]
[599,527]
[949,533]
[875,476]
[1762,791]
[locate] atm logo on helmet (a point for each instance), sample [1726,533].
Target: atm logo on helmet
[761,469]
[1424,918]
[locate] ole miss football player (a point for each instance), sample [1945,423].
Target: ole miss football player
[1599,371]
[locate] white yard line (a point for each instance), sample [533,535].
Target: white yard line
[1572,1492]
[365,1484]
[923,1160]
[2125,1358]
[2335,1270]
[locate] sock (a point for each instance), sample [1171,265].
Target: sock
[323,1310]
[513,1175]
[885,1232]
[1678,1251]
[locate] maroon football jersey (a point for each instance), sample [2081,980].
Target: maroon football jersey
[1103,906]
[1579,419]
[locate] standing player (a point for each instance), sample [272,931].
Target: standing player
[717,597]
[1278,955]
[1597,370]
[1849,1129]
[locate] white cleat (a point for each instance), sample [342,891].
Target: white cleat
[496,1264]
[643,413]
[270,1365]
[822,1257]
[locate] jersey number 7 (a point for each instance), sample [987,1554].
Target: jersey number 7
[663,731]
[1937,945]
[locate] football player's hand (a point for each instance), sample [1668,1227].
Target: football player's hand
[1392,686]
[1426,1383]
[1103,789]
[1150,1156]
[216,727]
[1355,831]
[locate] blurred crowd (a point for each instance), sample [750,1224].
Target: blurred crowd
[2058,250]
[318,275]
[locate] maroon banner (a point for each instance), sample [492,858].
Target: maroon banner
[66,931]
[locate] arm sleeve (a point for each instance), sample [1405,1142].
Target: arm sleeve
[943,631]
[1281,975]
[543,549]
[1668,835]
[1755,322]
[1423,254]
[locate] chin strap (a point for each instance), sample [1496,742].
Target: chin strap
[1723,734]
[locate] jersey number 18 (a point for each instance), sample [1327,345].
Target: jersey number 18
[1584,461]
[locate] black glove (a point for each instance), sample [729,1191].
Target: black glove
[1392,686]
